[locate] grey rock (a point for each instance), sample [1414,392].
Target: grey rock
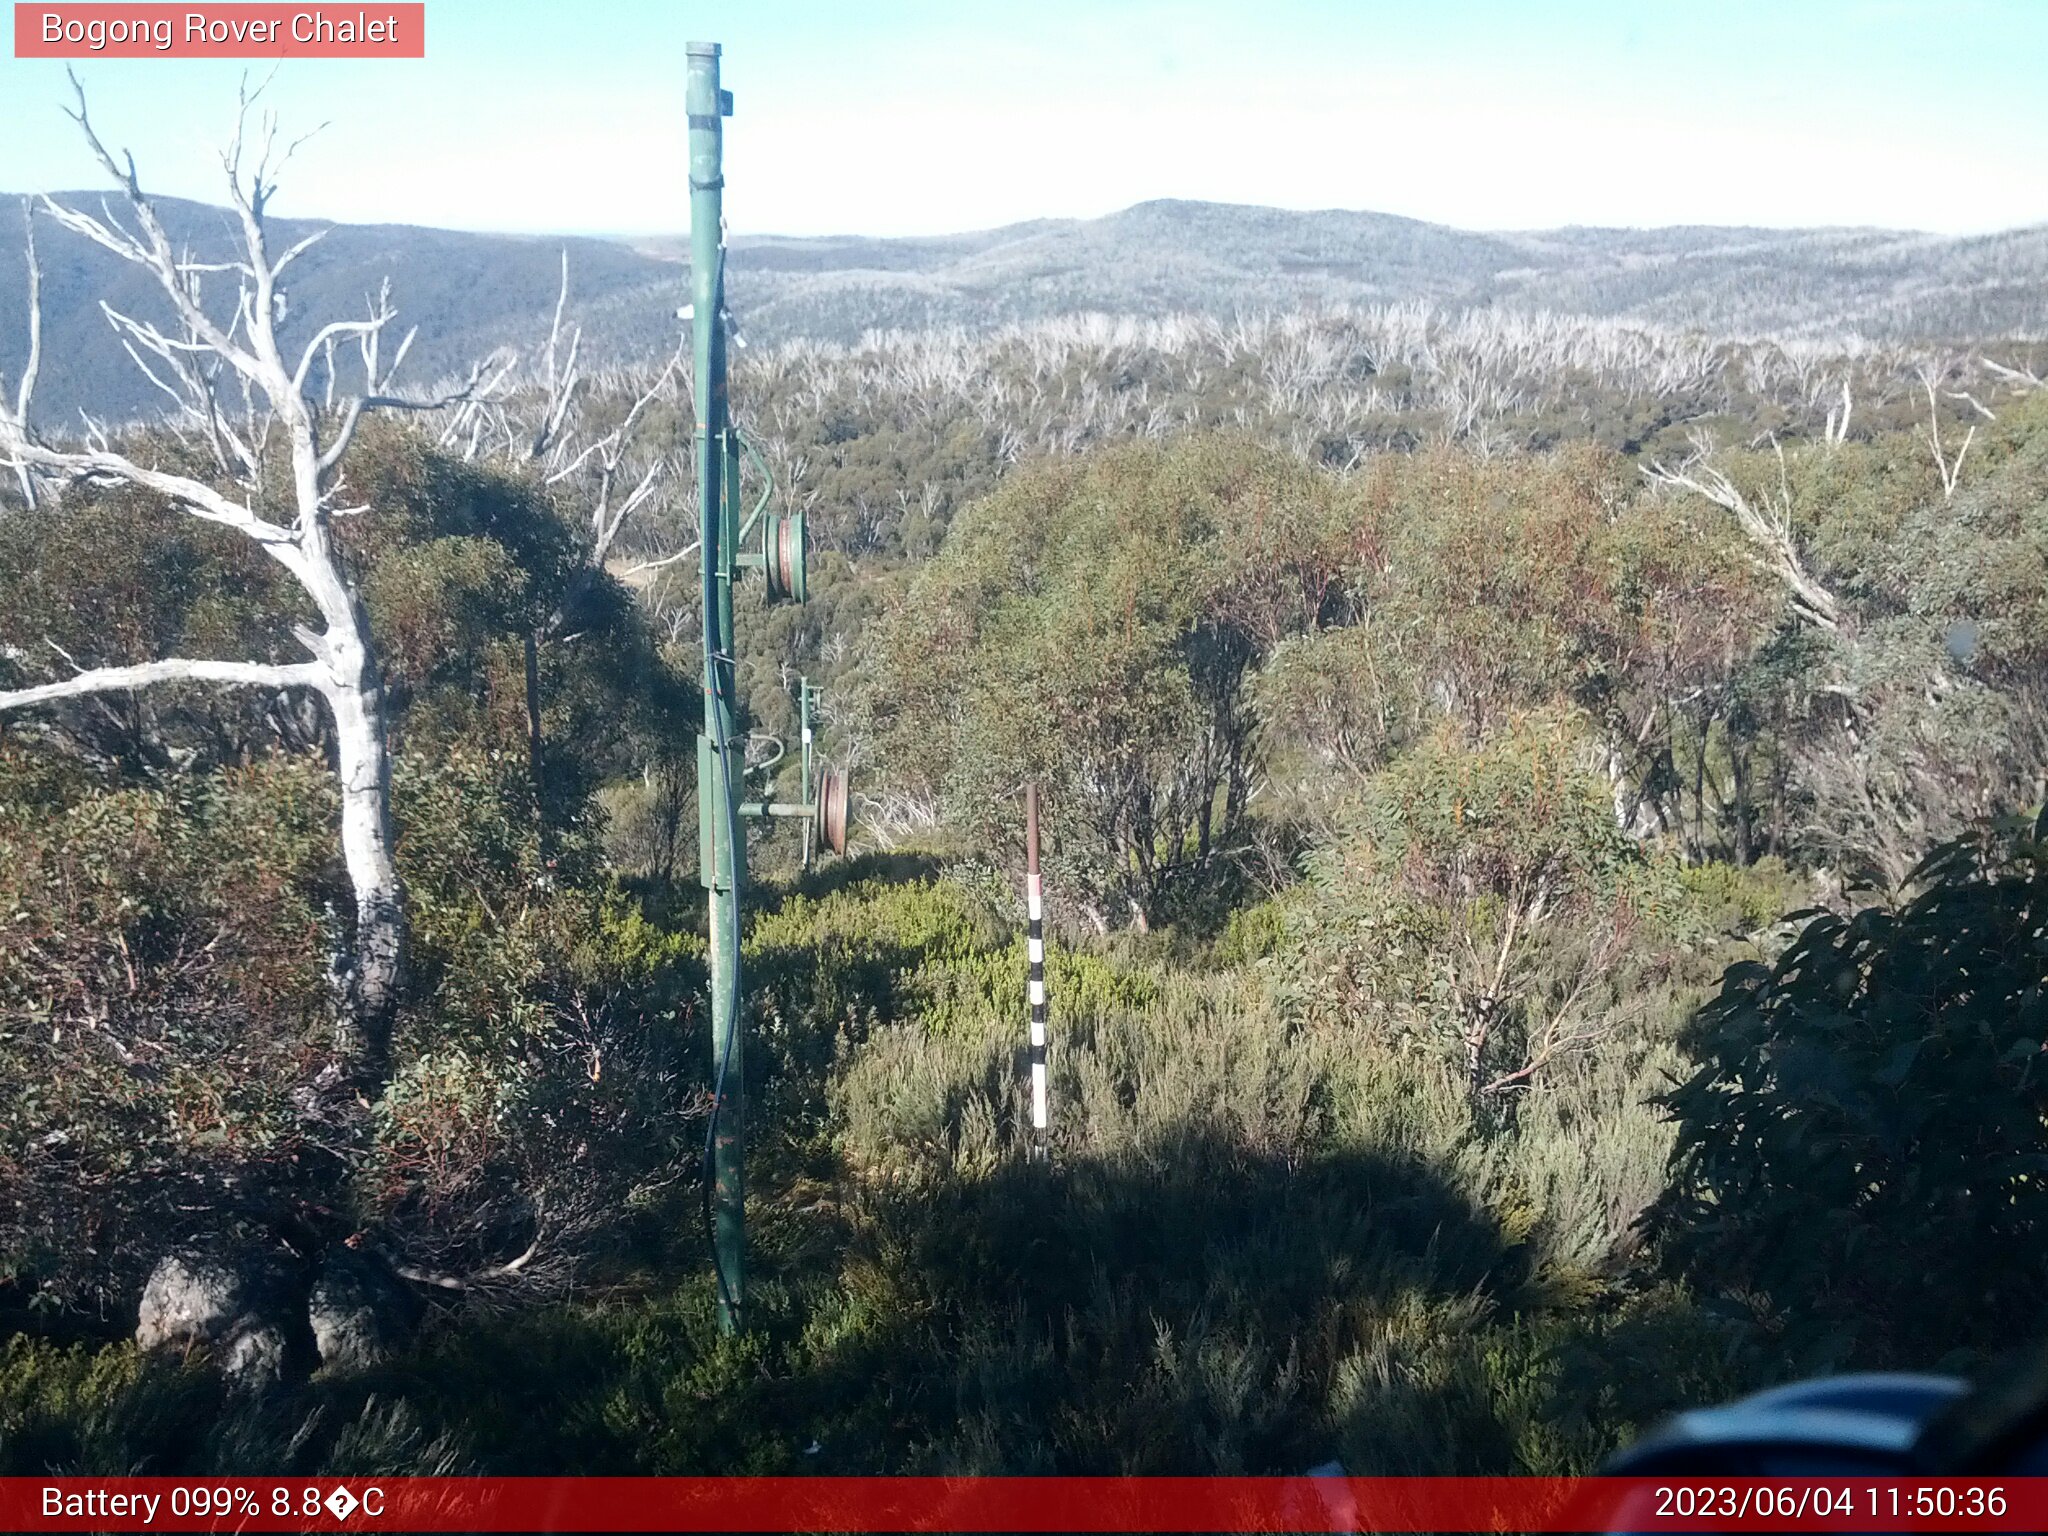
[191,1298]
[239,1306]
[361,1313]
[256,1354]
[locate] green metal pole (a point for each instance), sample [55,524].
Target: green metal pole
[724,867]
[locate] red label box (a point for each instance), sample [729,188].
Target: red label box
[115,31]
[1671,1506]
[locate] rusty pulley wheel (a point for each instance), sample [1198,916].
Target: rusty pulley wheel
[832,809]
[783,557]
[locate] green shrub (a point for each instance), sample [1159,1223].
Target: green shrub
[1859,1150]
[1251,934]
[160,979]
[1478,903]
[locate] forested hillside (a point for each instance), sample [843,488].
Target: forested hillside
[1222,259]
[471,294]
[1521,796]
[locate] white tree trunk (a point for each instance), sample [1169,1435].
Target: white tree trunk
[354,689]
[363,771]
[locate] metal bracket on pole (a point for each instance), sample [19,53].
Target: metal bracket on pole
[803,714]
[767,483]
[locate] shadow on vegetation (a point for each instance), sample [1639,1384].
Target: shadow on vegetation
[898,867]
[1176,1306]
[1187,1305]
[1171,1309]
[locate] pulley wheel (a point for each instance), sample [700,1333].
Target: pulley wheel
[783,557]
[832,810]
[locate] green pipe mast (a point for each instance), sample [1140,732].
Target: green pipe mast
[723,853]
[780,556]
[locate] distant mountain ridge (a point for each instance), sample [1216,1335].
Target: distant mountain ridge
[1220,258]
[470,293]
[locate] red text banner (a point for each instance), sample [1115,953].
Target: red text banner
[117,31]
[1022,1504]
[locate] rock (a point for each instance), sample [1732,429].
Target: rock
[241,1308]
[191,1298]
[256,1354]
[360,1311]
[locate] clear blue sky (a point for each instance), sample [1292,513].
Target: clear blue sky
[922,116]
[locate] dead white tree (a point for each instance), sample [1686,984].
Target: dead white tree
[2024,379]
[1765,522]
[538,428]
[280,430]
[26,394]
[1836,432]
[1950,470]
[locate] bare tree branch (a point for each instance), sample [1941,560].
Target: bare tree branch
[344,668]
[2023,377]
[561,387]
[26,393]
[101,467]
[250,674]
[322,344]
[684,553]
[299,249]
[152,250]
[1767,524]
[480,385]
[1837,431]
[511,1269]
[547,438]
[1950,472]
[1972,402]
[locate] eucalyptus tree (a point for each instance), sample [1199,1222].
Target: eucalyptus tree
[1095,625]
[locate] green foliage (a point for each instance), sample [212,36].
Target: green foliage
[1860,1147]
[931,954]
[108,577]
[1092,626]
[460,566]
[161,979]
[541,1050]
[172,887]
[77,1412]
[1737,900]
[1504,818]
[1482,589]
[1356,1164]
[1252,934]
[1479,903]
[1262,1244]
[1921,710]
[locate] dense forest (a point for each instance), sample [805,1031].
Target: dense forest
[1545,890]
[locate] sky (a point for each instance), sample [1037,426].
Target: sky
[899,117]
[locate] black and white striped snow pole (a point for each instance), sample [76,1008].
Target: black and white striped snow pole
[1034,906]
